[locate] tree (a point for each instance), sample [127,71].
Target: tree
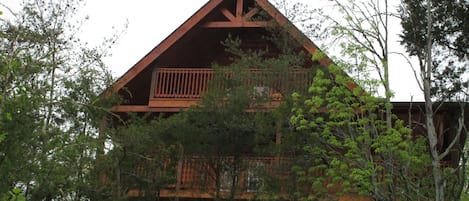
[132,166]
[223,131]
[361,32]
[350,146]
[362,35]
[49,103]
[435,33]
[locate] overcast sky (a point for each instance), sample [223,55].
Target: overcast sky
[151,21]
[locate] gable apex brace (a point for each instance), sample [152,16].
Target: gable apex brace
[237,20]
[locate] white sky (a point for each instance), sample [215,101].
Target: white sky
[151,21]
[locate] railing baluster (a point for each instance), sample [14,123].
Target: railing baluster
[183,85]
[171,83]
[190,85]
[196,84]
[186,84]
[178,84]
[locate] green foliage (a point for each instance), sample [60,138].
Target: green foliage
[143,156]
[435,33]
[50,103]
[359,31]
[13,195]
[350,144]
[464,196]
[449,32]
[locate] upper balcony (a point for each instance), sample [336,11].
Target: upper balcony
[178,88]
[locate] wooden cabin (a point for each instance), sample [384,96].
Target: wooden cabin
[175,75]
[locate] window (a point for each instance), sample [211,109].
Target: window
[226,180]
[254,180]
[260,91]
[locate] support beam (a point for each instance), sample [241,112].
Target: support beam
[144,108]
[239,9]
[251,13]
[234,24]
[238,19]
[228,14]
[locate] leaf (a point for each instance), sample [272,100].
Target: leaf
[16,191]
[8,116]
[318,55]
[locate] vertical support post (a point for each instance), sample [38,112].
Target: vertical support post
[178,177]
[179,171]
[239,10]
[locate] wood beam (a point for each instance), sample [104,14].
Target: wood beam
[228,14]
[143,108]
[130,108]
[251,13]
[237,20]
[227,24]
[239,9]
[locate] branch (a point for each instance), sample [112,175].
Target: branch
[461,126]
[411,66]
[384,22]
[358,27]
[437,108]
[410,111]
[8,8]
[375,25]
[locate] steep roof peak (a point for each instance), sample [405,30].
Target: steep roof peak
[222,14]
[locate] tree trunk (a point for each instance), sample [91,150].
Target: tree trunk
[431,131]
[433,141]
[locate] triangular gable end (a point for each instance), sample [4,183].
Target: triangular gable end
[197,44]
[206,10]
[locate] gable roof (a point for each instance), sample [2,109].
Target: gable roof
[238,19]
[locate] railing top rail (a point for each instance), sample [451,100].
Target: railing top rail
[168,69]
[176,69]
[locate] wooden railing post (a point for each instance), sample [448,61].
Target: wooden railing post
[179,170]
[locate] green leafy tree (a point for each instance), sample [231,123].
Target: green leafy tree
[143,157]
[350,147]
[13,195]
[360,32]
[50,103]
[435,33]
[223,131]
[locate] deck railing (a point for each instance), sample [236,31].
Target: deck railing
[201,173]
[201,177]
[192,83]
[181,82]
